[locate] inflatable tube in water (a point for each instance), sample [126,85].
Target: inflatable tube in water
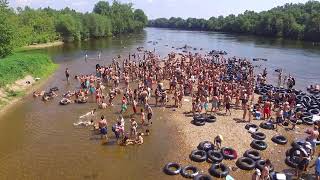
[246,163]
[261,163]
[279,139]
[259,145]
[215,156]
[211,119]
[81,101]
[258,136]
[172,168]
[64,102]
[205,146]
[228,153]
[252,154]
[54,89]
[219,170]
[202,177]
[198,156]
[189,171]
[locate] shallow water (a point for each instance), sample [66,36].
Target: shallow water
[38,141]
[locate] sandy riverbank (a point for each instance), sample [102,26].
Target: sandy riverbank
[15,92]
[44,45]
[235,135]
[232,128]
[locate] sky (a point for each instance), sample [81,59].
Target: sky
[167,8]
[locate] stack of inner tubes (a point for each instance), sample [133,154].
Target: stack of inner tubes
[308,104]
[293,155]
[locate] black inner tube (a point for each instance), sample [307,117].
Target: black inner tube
[172,168]
[198,155]
[189,171]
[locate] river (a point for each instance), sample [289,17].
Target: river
[38,141]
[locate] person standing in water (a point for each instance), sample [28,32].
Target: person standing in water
[99,55]
[86,57]
[67,73]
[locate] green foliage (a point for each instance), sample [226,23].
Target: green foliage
[6,31]
[33,26]
[68,27]
[37,26]
[19,65]
[295,21]
[140,16]
[103,8]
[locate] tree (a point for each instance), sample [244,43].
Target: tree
[4,4]
[6,31]
[102,7]
[68,28]
[296,21]
[140,17]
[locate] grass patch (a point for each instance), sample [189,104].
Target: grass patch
[21,64]
[12,93]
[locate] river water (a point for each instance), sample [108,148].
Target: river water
[38,141]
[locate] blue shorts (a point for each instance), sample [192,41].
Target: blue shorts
[103,131]
[313,143]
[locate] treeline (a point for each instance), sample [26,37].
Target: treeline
[295,21]
[25,26]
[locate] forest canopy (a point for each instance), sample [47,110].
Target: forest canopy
[26,26]
[295,21]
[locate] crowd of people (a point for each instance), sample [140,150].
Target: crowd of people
[216,84]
